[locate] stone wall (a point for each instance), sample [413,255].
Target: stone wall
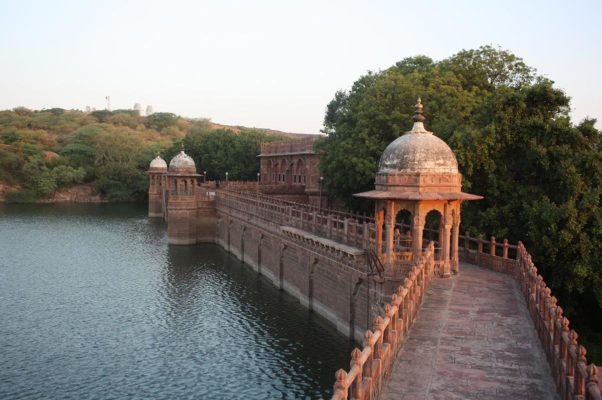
[327,277]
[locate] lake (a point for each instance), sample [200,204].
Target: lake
[97,305]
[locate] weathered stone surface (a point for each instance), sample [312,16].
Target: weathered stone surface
[472,339]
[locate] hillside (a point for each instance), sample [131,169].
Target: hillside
[104,153]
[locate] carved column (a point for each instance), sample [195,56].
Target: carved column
[417,228]
[390,230]
[445,246]
[455,265]
[379,230]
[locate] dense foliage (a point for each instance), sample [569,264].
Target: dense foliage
[44,151]
[516,145]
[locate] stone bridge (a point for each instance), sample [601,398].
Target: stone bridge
[439,315]
[491,331]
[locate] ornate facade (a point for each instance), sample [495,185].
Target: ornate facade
[290,171]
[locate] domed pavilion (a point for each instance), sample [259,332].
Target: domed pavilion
[156,186]
[182,203]
[417,176]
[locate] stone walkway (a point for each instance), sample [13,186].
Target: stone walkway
[473,339]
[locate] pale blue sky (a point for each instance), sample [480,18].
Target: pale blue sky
[272,64]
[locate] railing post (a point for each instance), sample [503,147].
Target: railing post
[356,391]
[505,253]
[492,246]
[571,364]
[593,382]
[340,384]
[563,345]
[579,378]
[368,370]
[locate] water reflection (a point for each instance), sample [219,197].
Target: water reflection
[97,305]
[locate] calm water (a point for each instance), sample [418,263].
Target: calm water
[96,305]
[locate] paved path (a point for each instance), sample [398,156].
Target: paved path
[472,339]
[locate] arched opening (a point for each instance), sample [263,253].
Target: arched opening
[402,240]
[433,231]
[283,171]
[298,172]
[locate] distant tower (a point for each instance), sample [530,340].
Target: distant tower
[138,107]
[182,205]
[88,109]
[149,110]
[157,187]
[108,98]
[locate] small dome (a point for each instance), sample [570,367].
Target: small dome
[158,163]
[182,161]
[418,151]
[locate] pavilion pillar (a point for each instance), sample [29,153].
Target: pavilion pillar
[455,263]
[445,246]
[379,233]
[417,229]
[390,231]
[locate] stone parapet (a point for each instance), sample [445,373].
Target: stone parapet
[346,228]
[302,146]
[574,377]
[371,365]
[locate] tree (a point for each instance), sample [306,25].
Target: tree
[160,121]
[222,150]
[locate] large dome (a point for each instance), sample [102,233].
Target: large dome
[158,163]
[182,161]
[418,151]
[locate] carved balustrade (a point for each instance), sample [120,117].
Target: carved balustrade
[346,228]
[574,378]
[370,366]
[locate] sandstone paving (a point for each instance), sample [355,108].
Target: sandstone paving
[472,339]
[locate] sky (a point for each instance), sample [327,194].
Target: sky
[273,64]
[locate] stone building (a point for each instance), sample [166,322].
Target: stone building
[290,171]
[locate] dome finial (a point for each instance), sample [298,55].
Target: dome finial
[182,146]
[418,117]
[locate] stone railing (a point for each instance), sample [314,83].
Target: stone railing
[349,229]
[489,254]
[574,378]
[239,185]
[271,188]
[370,366]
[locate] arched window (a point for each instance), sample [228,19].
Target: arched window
[403,231]
[433,231]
